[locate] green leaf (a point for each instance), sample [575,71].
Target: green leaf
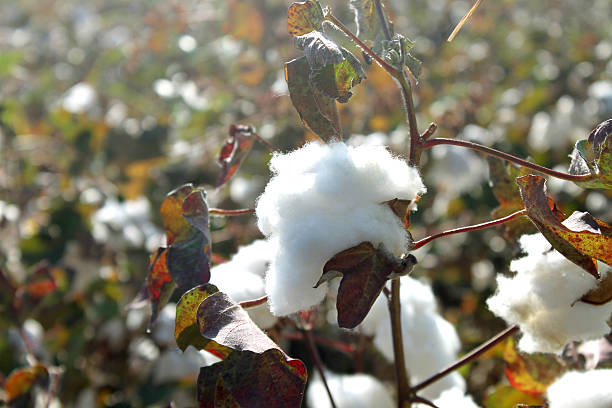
[530,373]
[336,80]
[304,17]
[580,238]
[256,372]
[506,396]
[319,49]
[364,270]
[317,111]
[593,156]
[368,23]
[234,151]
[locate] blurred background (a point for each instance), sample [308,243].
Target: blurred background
[105,106]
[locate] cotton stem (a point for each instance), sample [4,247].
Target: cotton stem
[403,382]
[312,348]
[230,213]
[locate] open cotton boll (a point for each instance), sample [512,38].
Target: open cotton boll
[241,279]
[322,200]
[452,398]
[348,391]
[592,389]
[430,342]
[542,298]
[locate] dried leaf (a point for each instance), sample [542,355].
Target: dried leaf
[317,111]
[530,373]
[234,151]
[304,17]
[21,381]
[594,156]
[401,208]
[159,284]
[602,294]
[319,49]
[365,270]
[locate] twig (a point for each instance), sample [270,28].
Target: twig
[493,152]
[312,348]
[403,382]
[230,213]
[252,303]
[498,338]
[463,20]
[418,244]
[431,129]
[265,142]
[342,347]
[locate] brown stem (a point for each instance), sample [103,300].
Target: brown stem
[415,138]
[342,347]
[312,348]
[493,152]
[230,213]
[469,228]
[403,382]
[331,18]
[431,129]
[255,302]
[265,142]
[498,338]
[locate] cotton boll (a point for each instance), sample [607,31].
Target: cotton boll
[452,398]
[348,391]
[542,298]
[322,200]
[430,342]
[582,389]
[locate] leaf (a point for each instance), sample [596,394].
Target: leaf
[401,208]
[256,372]
[502,179]
[530,373]
[317,111]
[234,151]
[368,22]
[602,294]
[159,284]
[336,80]
[319,49]
[21,381]
[365,270]
[40,283]
[580,238]
[304,17]
[506,396]
[594,156]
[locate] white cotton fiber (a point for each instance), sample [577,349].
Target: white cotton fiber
[348,391]
[452,398]
[242,278]
[430,342]
[592,389]
[322,200]
[542,298]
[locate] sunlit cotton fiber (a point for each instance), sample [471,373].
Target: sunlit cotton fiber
[322,200]
[592,389]
[242,278]
[452,398]
[348,391]
[431,343]
[542,298]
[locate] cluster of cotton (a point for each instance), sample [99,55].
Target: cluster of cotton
[452,398]
[348,391]
[242,278]
[430,342]
[542,298]
[581,389]
[322,200]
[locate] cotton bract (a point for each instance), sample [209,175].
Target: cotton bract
[242,278]
[348,391]
[322,200]
[542,298]
[575,389]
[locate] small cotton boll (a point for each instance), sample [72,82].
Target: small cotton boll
[348,391]
[322,200]
[590,389]
[430,342]
[542,298]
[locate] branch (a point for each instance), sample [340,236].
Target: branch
[230,213]
[403,382]
[505,156]
[342,347]
[498,338]
[469,228]
[312,348]
[252,303]
[265,142]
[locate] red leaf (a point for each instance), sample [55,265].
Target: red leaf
[40,283]
[21,381]
[235,150]
[364,271]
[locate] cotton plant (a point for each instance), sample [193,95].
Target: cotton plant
[581,389]
[336,218]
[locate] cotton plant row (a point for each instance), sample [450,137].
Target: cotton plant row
[336,221]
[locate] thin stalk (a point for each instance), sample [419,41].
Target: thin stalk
[401,375]
[230,213]
[469,228]
[255,302]
[505,156]
[265,142]
[415,138]
[472,355]
[332,19]
[312,348]
[431,129]
[464,20]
